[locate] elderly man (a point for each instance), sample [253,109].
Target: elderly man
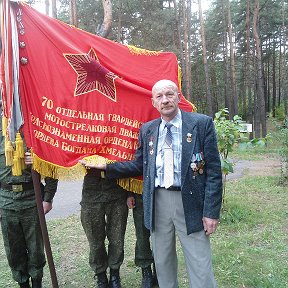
[180,163]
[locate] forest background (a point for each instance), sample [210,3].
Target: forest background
[232,54]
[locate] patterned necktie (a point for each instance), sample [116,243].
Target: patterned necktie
[168,158]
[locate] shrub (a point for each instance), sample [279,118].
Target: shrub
[282,137]
[228,134]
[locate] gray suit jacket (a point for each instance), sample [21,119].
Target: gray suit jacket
[201,193]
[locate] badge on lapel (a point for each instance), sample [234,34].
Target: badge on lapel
[189,137]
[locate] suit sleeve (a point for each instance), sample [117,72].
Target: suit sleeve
[213,188]
[128,168]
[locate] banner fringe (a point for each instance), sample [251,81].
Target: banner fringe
[77,172]
[131,184]
[47,169]
[141,51]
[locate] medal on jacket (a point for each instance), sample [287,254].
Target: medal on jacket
[193,166]
[151,150]
[197,163]
[189,137]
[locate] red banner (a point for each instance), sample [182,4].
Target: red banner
[82,94]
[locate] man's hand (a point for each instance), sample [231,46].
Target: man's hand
[131,202]
[28,160]
[47,206]
[100,166]
[210,225]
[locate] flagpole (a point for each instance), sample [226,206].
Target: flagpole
[44,230]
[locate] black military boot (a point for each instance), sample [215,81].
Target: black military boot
[114,281]
[147,278]
[25,285]
[101,280]
[36,283]
[155,279]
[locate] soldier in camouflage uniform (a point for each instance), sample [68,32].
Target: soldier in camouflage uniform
[20,223]
[143,252]
[104,214]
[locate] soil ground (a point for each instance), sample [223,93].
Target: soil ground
[264,167]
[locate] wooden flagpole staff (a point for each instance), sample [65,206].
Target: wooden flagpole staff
[44,230]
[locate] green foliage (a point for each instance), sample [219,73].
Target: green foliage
[227,166]
[282,137]
[245,143]
[228,135]
[280,112]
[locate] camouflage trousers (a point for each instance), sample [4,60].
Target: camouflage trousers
[23,243]
[108,219]
[143,253]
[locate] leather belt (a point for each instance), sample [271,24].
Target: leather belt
[171,188]
[174,188]
[17,187]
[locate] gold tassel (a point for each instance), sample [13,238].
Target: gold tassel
[9,152]
[19,146]
[22,163]
[4,125]
[16,168]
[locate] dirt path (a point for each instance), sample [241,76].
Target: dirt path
[265,167]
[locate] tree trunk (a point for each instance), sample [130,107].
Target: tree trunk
[280,77]
[260,78]
[73,13]
[104,29]
[54,9]
[178,27]
[210,105]
[187,74]
[268,73]
[119,30]
[247,66]
[179,38]
[274,96]
[234,99]
[47,6]
[283,64]
[268,87]
[227,87]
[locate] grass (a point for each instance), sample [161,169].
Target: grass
[250,247]
[257,153]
